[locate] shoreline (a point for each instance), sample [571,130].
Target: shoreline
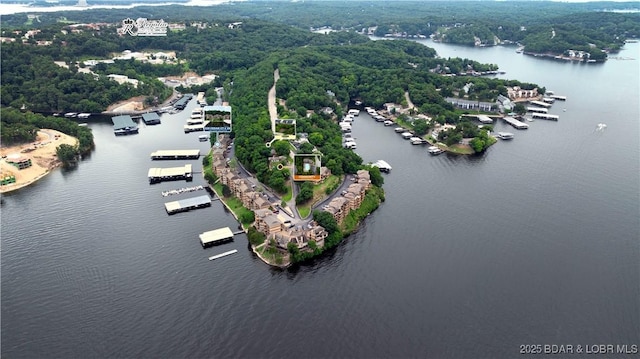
[42,154]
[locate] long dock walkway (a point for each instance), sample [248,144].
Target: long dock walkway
[515,123]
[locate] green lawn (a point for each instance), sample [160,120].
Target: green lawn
[319,192]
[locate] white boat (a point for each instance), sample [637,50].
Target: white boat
[354,112]
[84,115]
[435,150]
[350,145]
[406,135]
[203,138]
[399,129]
[505,135]
[389,123]
[358,103]
[70,114]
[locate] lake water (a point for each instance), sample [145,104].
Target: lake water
[534,242]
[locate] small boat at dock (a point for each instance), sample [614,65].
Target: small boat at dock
[399,129]
[505,135]
[434,150]
[84,115]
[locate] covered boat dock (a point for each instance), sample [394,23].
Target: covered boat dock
[124,125]
[515,123]
[187,204]
[216,236]
[151,118]
[157,175]
[175,155]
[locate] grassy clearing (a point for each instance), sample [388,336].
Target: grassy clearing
[319,192]
[461,149]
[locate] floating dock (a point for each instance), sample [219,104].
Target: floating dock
[560,98]
[223,254]
[515,123]
[545,116]
[484,119]
[151,118]
[537,109]
[193,128]
[216,236]
[182,102]
[187,204]
[175,155]
[157,175]
[540,103]
[382,165]
[124,125]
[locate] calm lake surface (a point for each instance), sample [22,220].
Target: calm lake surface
[534,242]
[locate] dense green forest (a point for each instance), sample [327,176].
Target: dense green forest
[317,71]
[589,27]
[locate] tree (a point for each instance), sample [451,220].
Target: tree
[326,221]
[67,154]
[420,127]
[519,109]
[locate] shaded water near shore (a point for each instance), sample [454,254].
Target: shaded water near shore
[534,242]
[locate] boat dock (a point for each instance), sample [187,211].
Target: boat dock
[175,155]
[557,97]
[193,128]
[540,103]
[484,119]
[182,102]
[124,125]
[545,116]
[157,175]
[151,118]
[223,254]
[182,190]
[216,236]
[382,165]
[537,109]
[187,204]
[515,123]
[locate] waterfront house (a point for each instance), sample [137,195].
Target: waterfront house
[259,202]
[268,224]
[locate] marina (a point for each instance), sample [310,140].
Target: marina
[124,125]
[187,204]
[175,155]
[157,175]
[515,123]
[223,254]
[151,118]
[216,236]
